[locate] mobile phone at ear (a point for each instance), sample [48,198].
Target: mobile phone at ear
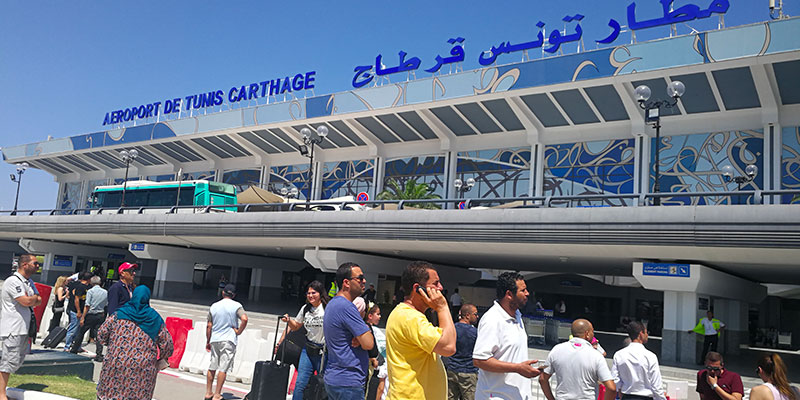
[421,290]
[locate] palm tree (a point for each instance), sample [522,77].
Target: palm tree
[411,190]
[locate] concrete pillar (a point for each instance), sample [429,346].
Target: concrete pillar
[680,315]
[689,290]
[265,284]
[234,275]
[173,279]
[50,272]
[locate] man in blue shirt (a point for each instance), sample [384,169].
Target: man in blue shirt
[462,374]
[94,314]
[347,338]
[120,292]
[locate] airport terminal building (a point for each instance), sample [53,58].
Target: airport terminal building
[565,130]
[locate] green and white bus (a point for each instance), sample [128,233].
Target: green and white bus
[166,194]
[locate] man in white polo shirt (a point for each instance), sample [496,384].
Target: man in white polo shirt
[226,321]
[17,299]
[579,367]
[501,350]
[635,370]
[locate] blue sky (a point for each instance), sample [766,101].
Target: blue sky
[63,65]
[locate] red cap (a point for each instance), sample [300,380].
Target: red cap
[125,265]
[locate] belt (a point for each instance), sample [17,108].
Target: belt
[96,312]
[636,397]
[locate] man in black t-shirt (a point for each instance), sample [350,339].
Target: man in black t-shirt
[77,299]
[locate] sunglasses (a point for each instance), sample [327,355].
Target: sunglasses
[714,369]
[360,278]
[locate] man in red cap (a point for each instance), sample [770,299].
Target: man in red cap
[120,292]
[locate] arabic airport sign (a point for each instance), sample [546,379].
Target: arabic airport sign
[213,98]
[664,269]
[364,74]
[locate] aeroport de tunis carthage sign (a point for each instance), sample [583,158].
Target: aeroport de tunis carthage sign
[364,74]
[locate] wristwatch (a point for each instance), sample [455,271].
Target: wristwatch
[714,386]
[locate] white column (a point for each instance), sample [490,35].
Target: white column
[680,314]
[173,278]
[265,284]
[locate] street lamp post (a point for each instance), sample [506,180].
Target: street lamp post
[289,193]
[652,114]
[127,156]
[750,172]
[307,149]
[20,170]
[463,187]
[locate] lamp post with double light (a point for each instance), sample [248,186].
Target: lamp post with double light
[729,173]
[652,115]
[289,193]
[21,167]
[128,156]
[307,149]
[463,186]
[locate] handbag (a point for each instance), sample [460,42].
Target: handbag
[292,346]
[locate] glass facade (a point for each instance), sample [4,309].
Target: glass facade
[497,173]
[693,163]
[288,176]
[90,189]
[200,175]
[602,167]
[160,178]
[242,178]
[347,178]
[790,164]
[423,169]
[71,196]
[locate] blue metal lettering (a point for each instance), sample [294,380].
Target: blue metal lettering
[253,91]
[188,102]
[242,93]
[264,88]
[309,81]
[218,99]
[105,121]
[274,86]
[286,86]
[297,85]
[232,95]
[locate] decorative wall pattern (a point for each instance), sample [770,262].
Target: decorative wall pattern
[693,163]
[71,196]
[90,188]
[288,176]
[790,163]
[347,178]
[160,178]
[497,173]
[242,178]
[425,169]
[200,175]
[604,167]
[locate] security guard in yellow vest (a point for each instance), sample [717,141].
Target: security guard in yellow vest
[710,328]
[332,292]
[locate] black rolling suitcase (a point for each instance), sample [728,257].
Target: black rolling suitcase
[270,378]
[56,336]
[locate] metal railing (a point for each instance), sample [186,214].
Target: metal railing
[606,200]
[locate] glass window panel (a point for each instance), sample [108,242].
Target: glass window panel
[424,169]
[693,163]
[602,167]
[347,178]
[790,164]
[497,173]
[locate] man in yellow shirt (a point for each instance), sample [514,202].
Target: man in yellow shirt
[414,345]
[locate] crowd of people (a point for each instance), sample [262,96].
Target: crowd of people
[345,356]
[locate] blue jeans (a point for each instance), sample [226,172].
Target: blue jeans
[345,392]
[308,364]
[72,330]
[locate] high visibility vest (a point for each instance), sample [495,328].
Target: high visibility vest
[701,329]
[333,290]
[110,274]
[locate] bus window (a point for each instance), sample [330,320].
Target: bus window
[222,188]
[108,199]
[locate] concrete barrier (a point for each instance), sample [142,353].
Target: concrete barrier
[195,347]
[252,348]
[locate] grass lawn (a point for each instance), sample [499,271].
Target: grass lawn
[70,386]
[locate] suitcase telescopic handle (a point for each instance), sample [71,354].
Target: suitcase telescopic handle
[275,341]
